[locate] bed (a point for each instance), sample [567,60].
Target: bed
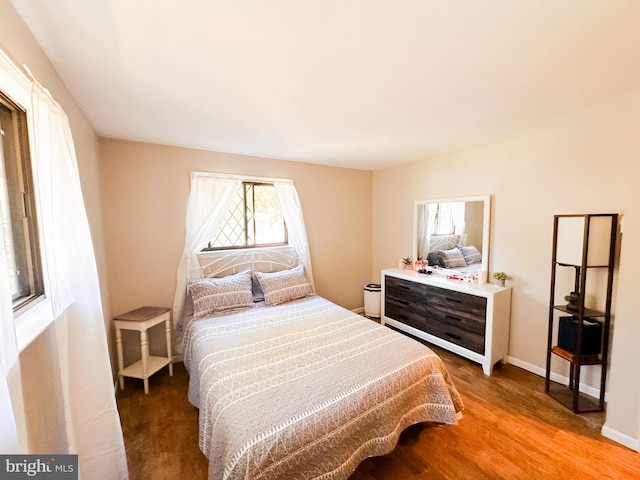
[452,252]
[301,387]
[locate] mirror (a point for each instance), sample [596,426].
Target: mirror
[458,224]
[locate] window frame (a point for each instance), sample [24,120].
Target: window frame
[37,315]
[243,187]
[26,245]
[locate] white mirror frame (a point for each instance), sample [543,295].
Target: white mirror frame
[486,225]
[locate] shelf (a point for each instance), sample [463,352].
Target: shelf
[588,312]
[154,364]
[571,357]
[563,264]
[565,395]
[571,243]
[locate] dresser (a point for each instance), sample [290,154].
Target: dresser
[468,319]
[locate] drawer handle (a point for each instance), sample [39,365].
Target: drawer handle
[454,300]
[453,335]
[404,287]
[457,319]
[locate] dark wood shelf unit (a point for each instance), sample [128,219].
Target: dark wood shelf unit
[570,395]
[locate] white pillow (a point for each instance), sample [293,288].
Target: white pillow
[285,285]
[470,254]
[452,258]
[212,295]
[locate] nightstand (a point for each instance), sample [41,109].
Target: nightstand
[141,320]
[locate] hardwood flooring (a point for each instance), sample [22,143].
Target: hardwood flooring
[510,430]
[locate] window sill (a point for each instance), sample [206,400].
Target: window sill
[31,323]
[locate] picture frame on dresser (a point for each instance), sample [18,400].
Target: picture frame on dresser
[469,319]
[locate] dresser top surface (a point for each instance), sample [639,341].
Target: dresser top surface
[438,279]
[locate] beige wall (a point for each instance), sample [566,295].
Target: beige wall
[587,164]
[145,190]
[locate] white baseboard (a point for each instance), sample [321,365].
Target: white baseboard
[621,438]
[358,310]
[610,433]
[541,372]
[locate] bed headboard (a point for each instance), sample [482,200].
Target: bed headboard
[226,262]
[446,242]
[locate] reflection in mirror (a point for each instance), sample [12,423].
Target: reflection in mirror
[453,233]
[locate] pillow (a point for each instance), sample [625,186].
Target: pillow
[212,295]
[434,259]
[285,285]
[452,258]
[258,294]
[471,254]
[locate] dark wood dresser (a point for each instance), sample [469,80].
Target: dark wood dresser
[466,318]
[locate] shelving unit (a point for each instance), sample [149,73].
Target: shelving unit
[585,243]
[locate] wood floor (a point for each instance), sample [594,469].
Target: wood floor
[510,430]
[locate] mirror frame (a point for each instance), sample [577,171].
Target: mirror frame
[486,225]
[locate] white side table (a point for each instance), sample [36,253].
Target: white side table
[141,320]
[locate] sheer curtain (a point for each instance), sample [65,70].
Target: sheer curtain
[457,215]
[209,199]
[422,227]
[431,223]
[92,420]
[293,217]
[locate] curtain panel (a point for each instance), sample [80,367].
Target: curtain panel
[72,303]
[92,419]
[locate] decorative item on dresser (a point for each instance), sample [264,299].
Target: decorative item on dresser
[469,319]
[582,261]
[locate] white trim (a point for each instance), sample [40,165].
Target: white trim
[621,438]
[14,83]
[561,379]
[242,178]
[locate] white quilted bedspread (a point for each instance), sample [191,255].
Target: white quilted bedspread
[308,389]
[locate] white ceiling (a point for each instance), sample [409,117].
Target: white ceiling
[355,83]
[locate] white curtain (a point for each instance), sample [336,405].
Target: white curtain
[293,217]
[209,199]
[91,415]
[431,223]
[422,228]
[457,215]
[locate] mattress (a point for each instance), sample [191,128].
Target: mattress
[307,389]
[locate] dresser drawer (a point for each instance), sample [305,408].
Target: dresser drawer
[405,301]
[454,334]
[457,307]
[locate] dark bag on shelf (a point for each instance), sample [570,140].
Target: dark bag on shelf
[591,335]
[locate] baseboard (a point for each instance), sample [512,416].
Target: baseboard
[358,310]
[542,372]
[621,438]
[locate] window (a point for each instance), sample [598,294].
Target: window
[17,207]
[448,218]
[254,219]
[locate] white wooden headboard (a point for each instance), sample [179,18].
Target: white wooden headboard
[226,262]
